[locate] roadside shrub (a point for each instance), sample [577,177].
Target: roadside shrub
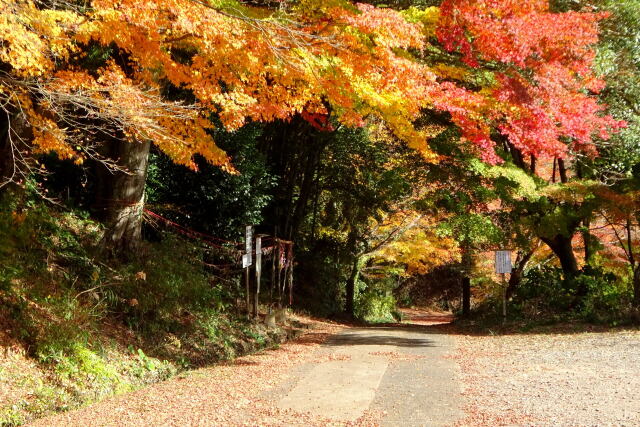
[375,302]
[593,295]
[607,299]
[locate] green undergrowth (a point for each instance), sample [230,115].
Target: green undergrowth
[546,300]
[87,328]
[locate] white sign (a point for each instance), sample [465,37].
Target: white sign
[246,260]
[248,246]
[258,255]
[503,262]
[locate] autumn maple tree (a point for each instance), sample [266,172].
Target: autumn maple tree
[124,74]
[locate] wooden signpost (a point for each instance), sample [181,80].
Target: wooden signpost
[246,264]
[258,273]
[503,267]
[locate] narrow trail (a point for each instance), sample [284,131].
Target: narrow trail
[390,375]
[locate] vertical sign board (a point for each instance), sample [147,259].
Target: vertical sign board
[248,238]
[503,262]
[258,255]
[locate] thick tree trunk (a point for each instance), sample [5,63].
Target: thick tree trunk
[466,296]
[533,164]
[563,249]
[351,289]
[120,197]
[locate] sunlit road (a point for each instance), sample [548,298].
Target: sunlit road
[398,373]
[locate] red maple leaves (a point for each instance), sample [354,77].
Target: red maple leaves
[545,87]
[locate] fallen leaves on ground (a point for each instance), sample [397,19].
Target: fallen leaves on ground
[230,394]
[395,356]
[550,379]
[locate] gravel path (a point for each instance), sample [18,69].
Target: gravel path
[584,379]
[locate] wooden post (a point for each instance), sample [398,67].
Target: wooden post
[504,267]
[504,298]
[285,275]
[273,273]
[258,272]
[290,275]
[279,272]
[238,280]
[247,291]
[248,241]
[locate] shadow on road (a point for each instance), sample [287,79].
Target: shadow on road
[354,339]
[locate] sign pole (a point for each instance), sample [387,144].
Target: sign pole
[504,298]
[247,291]
[503,267]
[246,263]
[258,273]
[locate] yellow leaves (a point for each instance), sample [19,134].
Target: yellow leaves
[416,245]
[572,192]
[451,72]
[386,27]
[32,38]
[428,17]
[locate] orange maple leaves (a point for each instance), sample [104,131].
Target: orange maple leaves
[247,64]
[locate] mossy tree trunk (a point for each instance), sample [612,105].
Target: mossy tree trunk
[120,197]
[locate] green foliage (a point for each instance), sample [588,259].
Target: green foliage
[476,229]
[594,295]
[96,327]
[375,300]
[619,61]
[358,181]
[211,199]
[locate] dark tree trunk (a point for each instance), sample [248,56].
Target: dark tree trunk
[533,164]
[517,157]
[351,289]
[563,171]
[6,163]
[516,274]
[636,286]
[586,237]
[120,197]
[466,296]
[563,249]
